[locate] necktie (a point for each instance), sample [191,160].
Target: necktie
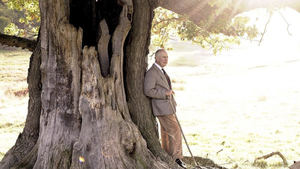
[168,78]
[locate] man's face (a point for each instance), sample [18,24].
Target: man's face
[162,58]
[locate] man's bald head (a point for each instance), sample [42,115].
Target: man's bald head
[159,52]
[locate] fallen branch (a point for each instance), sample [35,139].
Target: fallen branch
[272,154]
[17,42]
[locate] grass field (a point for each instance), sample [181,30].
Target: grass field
[13,96]
[233,107]
[240,105]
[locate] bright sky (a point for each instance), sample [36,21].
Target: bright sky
[280,40]
[277,47]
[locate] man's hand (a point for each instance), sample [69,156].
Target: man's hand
[169,93]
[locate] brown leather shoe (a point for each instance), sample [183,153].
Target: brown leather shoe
[180,163]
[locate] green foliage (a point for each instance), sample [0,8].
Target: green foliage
[215,34]
[27,24]
[7,16]
[164,25]
[4,21]
[12,29]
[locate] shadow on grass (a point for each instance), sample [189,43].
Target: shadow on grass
[203,162]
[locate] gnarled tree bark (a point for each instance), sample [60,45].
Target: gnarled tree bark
[85,120]
[87,108]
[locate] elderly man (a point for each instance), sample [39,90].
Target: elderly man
[158,87]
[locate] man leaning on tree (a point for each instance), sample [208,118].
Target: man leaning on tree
[158,87]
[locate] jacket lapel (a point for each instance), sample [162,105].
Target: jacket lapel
[162,76]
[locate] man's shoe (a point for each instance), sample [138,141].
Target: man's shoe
[180,163]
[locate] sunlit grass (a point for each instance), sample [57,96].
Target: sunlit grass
[233,114]
[244,103]
[13,96]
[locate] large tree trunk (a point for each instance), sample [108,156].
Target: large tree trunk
[85,114]
[84,120]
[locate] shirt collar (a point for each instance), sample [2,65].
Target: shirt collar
[160,68]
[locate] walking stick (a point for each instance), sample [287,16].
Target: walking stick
[186,143]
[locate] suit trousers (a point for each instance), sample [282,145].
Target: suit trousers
[171,140]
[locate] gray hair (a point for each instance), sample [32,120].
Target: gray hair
[159,51]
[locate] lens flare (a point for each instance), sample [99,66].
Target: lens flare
[81,159]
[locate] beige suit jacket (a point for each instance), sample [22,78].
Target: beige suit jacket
[155,87]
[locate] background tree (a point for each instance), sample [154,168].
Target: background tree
[24,17]
[86,107]
[4,19]
[223,35]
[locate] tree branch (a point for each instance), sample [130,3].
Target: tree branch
[287,23]
[200,10]
[167,20]
[265,29]
[196,10]
[17,42]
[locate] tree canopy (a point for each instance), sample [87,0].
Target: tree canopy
[216,27]
[208,34]
[25,23]
[167,23]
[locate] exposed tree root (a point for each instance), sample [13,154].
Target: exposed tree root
[29,160]
[272,154]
